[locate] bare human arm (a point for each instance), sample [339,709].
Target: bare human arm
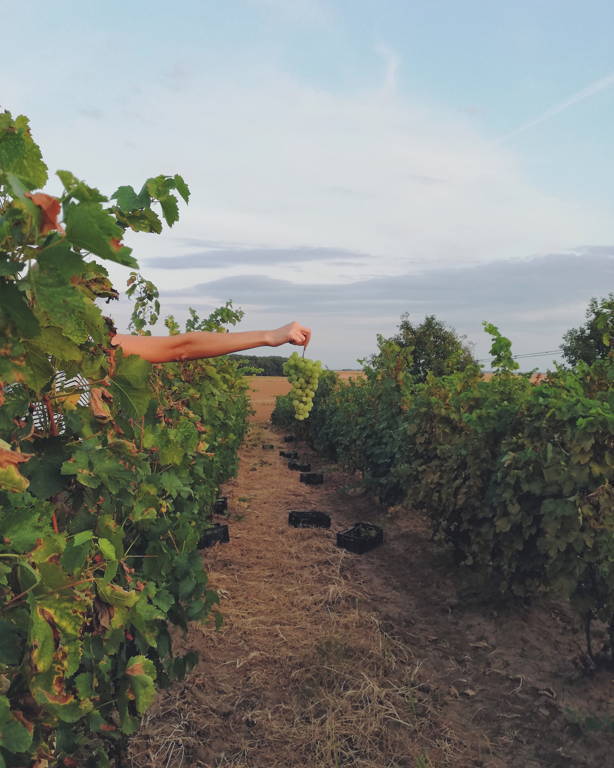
[192,346]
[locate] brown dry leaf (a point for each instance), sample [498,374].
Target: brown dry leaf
[103,613]
[100,409]
[51,208]
[9,457]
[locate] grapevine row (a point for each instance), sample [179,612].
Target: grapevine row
[109,468]
[516,478]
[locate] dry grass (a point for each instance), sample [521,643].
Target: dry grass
[327,659]
[299,675]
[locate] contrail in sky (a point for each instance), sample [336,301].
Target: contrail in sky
[599,85]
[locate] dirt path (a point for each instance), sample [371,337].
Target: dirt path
[330,659]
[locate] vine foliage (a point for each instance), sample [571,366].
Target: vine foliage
[517,478]
[109,468]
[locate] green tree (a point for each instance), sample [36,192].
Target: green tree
[268,365]
[593,340]
[431,346]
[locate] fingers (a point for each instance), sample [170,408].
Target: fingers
[299,335]
[292,333]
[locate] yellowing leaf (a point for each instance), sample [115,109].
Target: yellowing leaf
[142,673]
[41,640]
[115,595]
[12,480]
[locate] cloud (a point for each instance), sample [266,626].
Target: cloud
[532,301]
[216,255]
[602,84]
[533,285]
[392,62]
[272,159]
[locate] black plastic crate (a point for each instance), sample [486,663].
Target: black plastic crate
[361,538]
[289,454]
[217,533]
[220,506]
[299,467]
[308,518]
[312,478]
[289,438]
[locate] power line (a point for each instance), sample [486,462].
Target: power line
[527,354]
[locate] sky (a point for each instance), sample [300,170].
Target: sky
[349,160]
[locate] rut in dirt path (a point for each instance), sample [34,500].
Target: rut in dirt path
[328,659]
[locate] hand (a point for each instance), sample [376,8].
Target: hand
[293,333]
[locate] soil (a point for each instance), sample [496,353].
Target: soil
[377,661]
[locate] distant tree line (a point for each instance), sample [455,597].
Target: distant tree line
[268,365]
[436,347]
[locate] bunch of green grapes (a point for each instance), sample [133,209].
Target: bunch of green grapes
[303,374]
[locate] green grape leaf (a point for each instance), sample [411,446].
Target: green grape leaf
[110,572]
[14,735]
[75,555]
[19,153]
[171,449]
[52,573]
[79,190]
[130,385]
[11,643]
[128,200]
[170,209]
[182,187]
[107,549]
[9,268]
[82,537]
[14,309]
[164,600]
[90,227]
[52,341]
[111,530]
[18,189]
[159,186]
[146,618]
[43,469]
[141,674]
[84,685]
[60,302]
[79,466]
[39,373]
[144,220]
[172,483]
[22,524]
[128,724]
[68,179]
